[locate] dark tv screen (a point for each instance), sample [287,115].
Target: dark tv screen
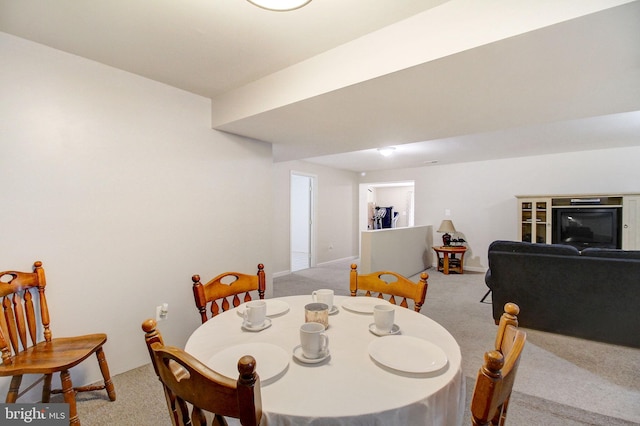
[587,227]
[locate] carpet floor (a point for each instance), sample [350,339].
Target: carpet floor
[562,381]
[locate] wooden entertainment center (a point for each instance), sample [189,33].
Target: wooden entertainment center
[540,218]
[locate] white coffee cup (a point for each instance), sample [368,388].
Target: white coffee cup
[383,316]
[323,296]
[255,313]
[314,342]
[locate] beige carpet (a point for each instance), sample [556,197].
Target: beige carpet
[562,381]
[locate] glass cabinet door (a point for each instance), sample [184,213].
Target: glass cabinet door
[526,217]
[535,220]
[541,210]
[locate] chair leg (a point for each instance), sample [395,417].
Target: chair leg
[218,420]
[14,387]
[46,388]
[485,296]
[104,368]
[69,397]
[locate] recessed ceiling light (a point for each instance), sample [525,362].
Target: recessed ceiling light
[279,5]
[385,152]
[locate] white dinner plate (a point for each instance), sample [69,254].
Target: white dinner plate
[363,304]
[274,307]
[408,354]
[271,360]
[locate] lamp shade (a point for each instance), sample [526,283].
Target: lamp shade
[446,226]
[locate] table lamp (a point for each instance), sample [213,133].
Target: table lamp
[446,226]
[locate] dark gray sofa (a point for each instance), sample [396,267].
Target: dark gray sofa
[593,294]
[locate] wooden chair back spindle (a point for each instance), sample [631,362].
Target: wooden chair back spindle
[19,317]
[509,318]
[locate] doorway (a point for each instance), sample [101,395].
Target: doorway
[400,196]
[302,215]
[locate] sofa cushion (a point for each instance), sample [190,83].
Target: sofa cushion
[521,247]
[610,253]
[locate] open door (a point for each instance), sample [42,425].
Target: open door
[302,188]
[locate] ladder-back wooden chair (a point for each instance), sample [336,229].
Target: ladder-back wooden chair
[216,292]
[396,286]
[189,383]
[496,377]
[26,351]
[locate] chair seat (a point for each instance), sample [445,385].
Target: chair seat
[60,354]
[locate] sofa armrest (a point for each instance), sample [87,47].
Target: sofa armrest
[488,280]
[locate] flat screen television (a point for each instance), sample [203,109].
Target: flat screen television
[588,227]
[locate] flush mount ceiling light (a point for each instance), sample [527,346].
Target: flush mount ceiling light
[279,5]
[385,152]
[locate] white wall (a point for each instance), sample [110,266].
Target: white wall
[406,251]
[481,195]
[336,215]
[119,185]
[398,197]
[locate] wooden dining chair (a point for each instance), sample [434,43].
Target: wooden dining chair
[216,292]
[494,385]
[396,286]
[188,384]
[28,347]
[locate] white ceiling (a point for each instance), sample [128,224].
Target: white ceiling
[447,81]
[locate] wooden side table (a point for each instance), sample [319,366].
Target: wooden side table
[447,261]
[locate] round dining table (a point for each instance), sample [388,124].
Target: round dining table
[412,377]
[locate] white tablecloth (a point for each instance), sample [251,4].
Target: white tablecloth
[349,388]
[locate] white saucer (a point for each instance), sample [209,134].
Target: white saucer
[334,310]
[265,324]
[394,330]
[275,308]
[297,354]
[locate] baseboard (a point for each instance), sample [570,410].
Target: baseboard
[344,259]
[475,269]
[468,268]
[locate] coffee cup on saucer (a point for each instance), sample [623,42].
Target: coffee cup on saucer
[325,296]
[313,340]
[383,317]
[255,313]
